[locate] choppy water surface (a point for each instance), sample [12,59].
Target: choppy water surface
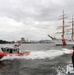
[44,59]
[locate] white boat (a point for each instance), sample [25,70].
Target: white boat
[12,51]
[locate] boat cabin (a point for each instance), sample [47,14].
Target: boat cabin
[10,50]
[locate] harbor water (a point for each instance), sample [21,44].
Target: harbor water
[44,59]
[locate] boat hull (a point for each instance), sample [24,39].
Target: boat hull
[58,42]
[18,54]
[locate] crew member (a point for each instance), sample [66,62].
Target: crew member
[73,57]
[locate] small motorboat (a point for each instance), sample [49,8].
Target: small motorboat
[7,51]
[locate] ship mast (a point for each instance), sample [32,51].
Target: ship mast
[72,27]
[63,31]
[63,25]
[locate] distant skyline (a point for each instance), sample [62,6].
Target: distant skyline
[32,19]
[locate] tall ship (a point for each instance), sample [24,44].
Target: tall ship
[66,31]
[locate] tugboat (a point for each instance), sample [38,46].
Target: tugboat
[12,51]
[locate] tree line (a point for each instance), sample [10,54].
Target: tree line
[4,42]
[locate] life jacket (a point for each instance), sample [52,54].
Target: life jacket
[73,53]
[73,56]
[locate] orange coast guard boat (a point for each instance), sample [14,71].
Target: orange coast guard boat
[12,52]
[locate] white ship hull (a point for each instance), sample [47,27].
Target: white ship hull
[58,42]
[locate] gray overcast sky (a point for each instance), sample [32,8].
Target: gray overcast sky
[32,19]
